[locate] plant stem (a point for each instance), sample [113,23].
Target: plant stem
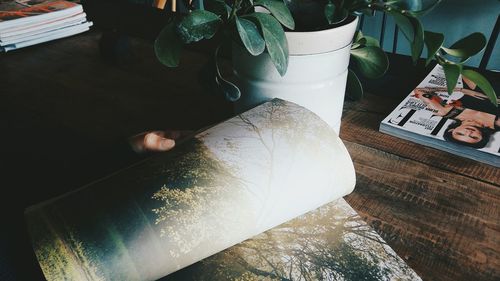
[236,7]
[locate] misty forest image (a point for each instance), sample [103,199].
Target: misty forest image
[330,243]
[229,183]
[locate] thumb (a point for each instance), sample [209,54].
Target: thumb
[156,142]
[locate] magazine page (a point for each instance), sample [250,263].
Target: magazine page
[227,184]
[464,123]
[329,243]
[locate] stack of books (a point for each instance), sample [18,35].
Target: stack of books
[28,22]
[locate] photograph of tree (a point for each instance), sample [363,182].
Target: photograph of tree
[329,243]
[229,183]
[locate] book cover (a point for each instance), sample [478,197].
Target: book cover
[465,123]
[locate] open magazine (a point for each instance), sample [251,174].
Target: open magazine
[465,123]
[254,176]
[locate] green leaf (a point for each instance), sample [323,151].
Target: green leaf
[371,61]
[354,88]
[250,36]
[334,14]
[482,83]
[404,24]
[451,72]
[199,24]
[357,36]
[363,40]
[410,5]
[330,12]
[417,44]
[279,10]
[276,43]
[371,41]
[467,46]
[168,46]
[218,7]
[413,31]
[433,41]
[424,10]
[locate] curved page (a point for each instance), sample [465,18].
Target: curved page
[229,183]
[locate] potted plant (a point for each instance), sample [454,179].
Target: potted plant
[299,50]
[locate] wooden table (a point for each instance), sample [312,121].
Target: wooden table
[61,103]
[439,212]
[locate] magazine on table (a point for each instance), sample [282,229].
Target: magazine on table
[28,22]
[257,197]
[465,123]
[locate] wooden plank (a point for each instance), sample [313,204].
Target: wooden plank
[360,125]
[443,224]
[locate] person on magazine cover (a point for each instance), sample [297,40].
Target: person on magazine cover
[476,118]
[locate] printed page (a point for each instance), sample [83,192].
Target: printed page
[464,122]
[330,243]
[229,183]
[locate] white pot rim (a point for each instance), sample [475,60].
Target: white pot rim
[321,41]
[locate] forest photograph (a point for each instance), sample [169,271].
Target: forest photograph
[229,183]
[329,243]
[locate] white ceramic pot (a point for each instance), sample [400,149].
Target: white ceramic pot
[316,76]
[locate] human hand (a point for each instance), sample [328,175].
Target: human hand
[156,141]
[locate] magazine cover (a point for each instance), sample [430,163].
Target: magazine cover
[13,10]
[465,123]
[231,182]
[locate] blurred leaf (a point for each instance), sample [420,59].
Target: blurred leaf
[279,10]
[371,41]
[425,10]
[413,31]
[250,36]
[404,24]
[482,83]
[218,7]
[168,46]
[329,12]
[276,43]
[357,36]
[354,88]
[231,92]
[363,40]
[199,24]
[335,14]
[467,46]
[371,61]
[451,72]
[410,5]
[417,44]
[433,41]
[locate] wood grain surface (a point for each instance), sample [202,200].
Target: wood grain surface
[440,212]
